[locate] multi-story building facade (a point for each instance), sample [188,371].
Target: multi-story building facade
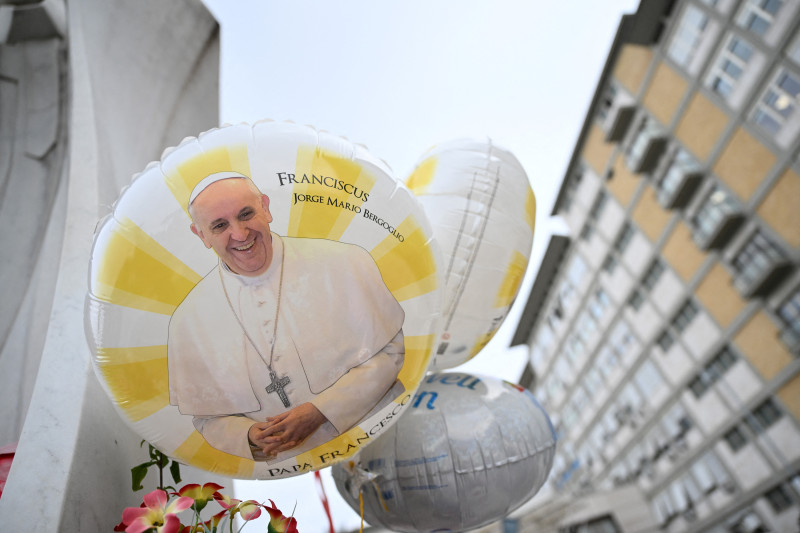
[665,328]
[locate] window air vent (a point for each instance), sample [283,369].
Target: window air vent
[619,120]
[722,232]
[769,278]
[677,195]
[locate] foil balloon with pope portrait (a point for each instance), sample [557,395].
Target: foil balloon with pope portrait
[180,345]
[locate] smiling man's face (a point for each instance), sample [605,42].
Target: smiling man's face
[231,217]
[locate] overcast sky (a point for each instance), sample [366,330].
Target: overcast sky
[401,76]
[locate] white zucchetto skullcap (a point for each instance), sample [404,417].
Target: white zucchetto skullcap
[213,178]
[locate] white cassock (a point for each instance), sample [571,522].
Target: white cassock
[339,340]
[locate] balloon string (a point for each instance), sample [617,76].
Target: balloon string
[324,498]
[361,504]
[380,497]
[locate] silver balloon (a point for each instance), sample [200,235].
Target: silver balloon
[481,206]
[467,451]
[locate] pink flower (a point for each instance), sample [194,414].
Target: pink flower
[226,501]
[200,495]
[250,510]
[155,513]
[279,523]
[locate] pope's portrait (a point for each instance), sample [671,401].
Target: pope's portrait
[287,342]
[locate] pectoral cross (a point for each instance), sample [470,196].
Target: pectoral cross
[277,385]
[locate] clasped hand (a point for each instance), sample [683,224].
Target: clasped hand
[286,430]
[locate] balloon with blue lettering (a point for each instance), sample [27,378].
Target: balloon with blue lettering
[263,300]
[482,209]
[469,450]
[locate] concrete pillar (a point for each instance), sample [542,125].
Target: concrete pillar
[101,88]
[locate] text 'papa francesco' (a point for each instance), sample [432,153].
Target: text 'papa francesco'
[349,448]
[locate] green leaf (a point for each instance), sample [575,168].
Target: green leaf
[163,460]
[138,473]
[175,470]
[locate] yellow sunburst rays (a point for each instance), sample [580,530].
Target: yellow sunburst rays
[530,209]
[182,176]
[135,271]
[409,270]
[422,176]
[514,273]
[506,292]
[338,182]
[197,452]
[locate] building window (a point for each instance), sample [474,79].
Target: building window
[575,347]
[776,105]
[647,147]
[636,299]
[793,52]
[789,314]
[610,263]
[680,181]
[712,372]
[570,416]
[721,362]
[599,304]
[677,422]
[594,214]
[759,266]
[576,272]
[758,15]
[709,472]
[580,399]
[665,340]
[573,182]
[593,381]
[763,416]
[716,220]
[653,274]
[607,101]
[608,360]
[684,316]
[749,522]
[621,338]
[603,524]
[624,238]
[648,378]
[698,386]
[598,205]
[729,66]
[736,439]
[587,231]
[779,498]
[688,35]
[586,325]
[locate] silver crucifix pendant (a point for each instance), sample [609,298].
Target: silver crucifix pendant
[277,385]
